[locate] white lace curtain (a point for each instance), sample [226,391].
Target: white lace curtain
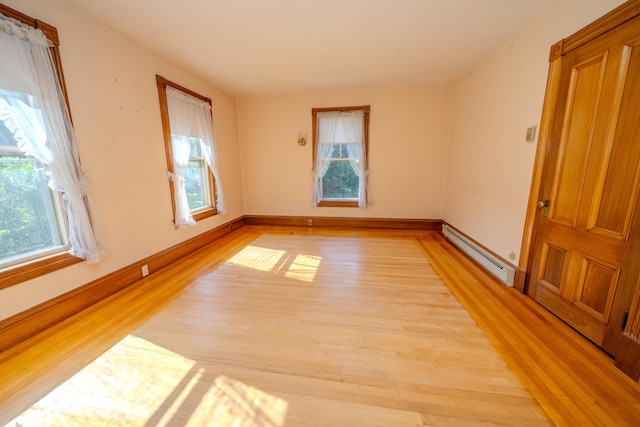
[43,129]
[190,117]
[335,127]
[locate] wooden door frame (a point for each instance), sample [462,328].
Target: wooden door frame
[629,351]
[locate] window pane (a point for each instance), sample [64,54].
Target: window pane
[340,182]
[196,150]
[340,151]
[28,221]
[197,184]
[335,151]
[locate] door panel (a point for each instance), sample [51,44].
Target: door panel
[584,92]
[553,268]
[619,174]
[582,254]
[585,87]
[596,288]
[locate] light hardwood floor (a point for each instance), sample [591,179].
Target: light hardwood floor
[280,326]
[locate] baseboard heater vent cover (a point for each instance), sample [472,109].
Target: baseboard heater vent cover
[503,271]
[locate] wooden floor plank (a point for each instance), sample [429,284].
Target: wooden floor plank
[294,326]
[574,381]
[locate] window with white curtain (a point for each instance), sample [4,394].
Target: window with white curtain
[45,208]
[31,223]
[192,163]
[340,150]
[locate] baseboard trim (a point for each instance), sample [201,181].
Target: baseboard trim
[338,222]
[28,323]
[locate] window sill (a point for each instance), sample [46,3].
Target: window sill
[206,213]
[337,204]
[20,273]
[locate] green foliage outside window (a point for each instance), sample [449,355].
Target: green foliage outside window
[340,182]
[196,179]
[194,185]
[24,219]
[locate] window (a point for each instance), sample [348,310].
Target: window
[191,153]
[30,216]
[340,150]
[46,219]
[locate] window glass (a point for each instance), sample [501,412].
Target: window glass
[197,179]
[340,181]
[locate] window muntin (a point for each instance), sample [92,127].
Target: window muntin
[344,182]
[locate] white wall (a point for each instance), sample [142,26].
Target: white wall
[490,164]
[114,104]
[408,135]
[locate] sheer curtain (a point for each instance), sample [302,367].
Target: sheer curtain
[181,149]
[43,128]
[190,117]
[327,126]
[335,127]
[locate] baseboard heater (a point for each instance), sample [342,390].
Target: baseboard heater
[503,271]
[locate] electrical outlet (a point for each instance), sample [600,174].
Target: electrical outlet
[145,270]
[309,222]
[230,227]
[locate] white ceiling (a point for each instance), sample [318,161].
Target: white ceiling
[273,46]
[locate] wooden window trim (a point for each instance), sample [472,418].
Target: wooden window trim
[162,84]
[314,124]
[16,274]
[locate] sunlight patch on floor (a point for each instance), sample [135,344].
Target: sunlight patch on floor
[137,383]
[303,267]
[299,267]
[257,257]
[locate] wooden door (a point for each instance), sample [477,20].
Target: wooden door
[585,257]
